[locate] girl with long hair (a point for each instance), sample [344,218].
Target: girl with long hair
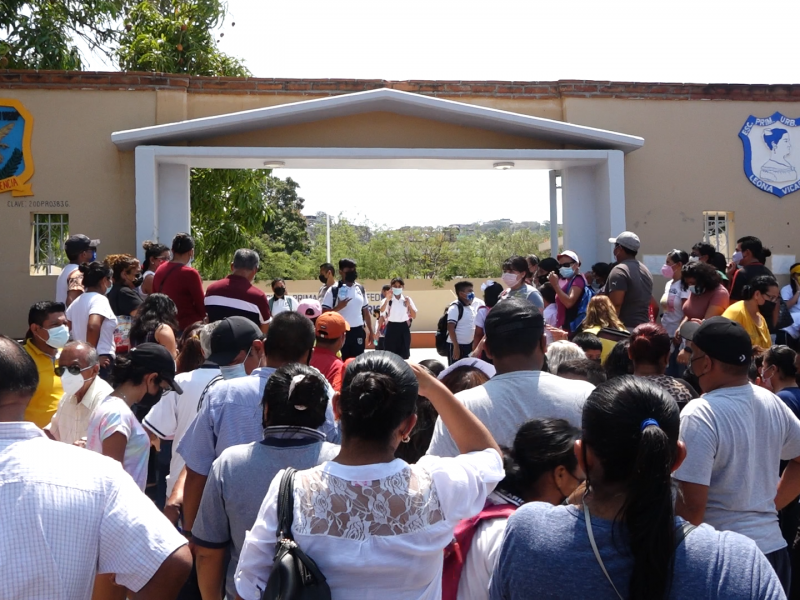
[156,321]
[623,540]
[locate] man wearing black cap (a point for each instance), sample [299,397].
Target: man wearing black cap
[520,391]
[736,434]
[79,249]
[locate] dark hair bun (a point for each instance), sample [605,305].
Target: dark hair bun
[84,268]
[766,253]
[379,391]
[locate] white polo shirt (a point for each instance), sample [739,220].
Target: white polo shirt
[465,327]
[353,312]
[279,305]
[397,311]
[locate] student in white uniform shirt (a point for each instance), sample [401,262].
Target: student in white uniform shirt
[349,299]
[399,310]
[79,249]
[461,322]
[78,368]
[279,301]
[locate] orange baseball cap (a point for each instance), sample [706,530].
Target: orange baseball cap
[331,325]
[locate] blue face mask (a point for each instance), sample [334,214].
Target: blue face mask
[565,272]
[57,336]
[94,255]
[471,296]
[233,371]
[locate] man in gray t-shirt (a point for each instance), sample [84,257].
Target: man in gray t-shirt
[520,391]
[629,285]
[736,434]
[236,487]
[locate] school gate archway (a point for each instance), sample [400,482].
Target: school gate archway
[385,129]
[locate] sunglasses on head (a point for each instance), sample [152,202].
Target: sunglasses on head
[73,369]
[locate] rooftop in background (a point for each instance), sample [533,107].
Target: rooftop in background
[565,88]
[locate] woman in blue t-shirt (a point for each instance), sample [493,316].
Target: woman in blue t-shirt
[623,540]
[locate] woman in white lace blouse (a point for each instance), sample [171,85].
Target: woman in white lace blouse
[375,525]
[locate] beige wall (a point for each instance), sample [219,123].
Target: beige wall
[692,161]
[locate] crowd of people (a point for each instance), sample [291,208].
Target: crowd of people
[162,440]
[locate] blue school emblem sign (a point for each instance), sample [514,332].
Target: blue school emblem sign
[770,162]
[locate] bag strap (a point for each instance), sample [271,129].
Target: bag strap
[205,390]
[594,548]
[286,505]
[171,271]
[684,530]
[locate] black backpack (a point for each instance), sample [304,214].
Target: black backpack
[338,286]
[441,329]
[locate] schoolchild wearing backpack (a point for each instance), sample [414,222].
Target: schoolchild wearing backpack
[349,298]
[541,467]
[461,322]
[572,291]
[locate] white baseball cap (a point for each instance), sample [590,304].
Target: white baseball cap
[627,239]
[571,254]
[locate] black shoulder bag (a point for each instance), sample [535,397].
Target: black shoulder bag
[294,575]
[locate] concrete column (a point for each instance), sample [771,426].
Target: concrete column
[579,199]
[174,212]
[554,212]
[146,196]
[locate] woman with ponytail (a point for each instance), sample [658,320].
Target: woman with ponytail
[375,525]
[623,540]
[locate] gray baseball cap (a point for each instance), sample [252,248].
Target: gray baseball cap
[627,239]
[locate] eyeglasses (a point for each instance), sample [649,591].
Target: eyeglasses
[771,298]
[73,370]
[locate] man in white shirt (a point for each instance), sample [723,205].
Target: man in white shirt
[69,514]
[279,302]
[461,322]
[736,434]
[520,391]
[79,249]
[327,277]
[78,368]
[398,309]
[349,299]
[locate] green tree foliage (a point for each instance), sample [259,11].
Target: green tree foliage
[176,36]
[286,229]
[41,34]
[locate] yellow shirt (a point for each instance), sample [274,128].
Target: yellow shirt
[48,394]
[608,345]
[759,334]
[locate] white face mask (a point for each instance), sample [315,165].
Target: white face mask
[57,337]
[72,383]
[737,257]
[510,279]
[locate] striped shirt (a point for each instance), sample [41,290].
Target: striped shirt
[236,296]
[68,514]
[231,414]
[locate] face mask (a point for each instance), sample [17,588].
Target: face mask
[397,292]
[351,276]
[323,279]
[510,279]
[768,308]
[471,296]
[57,336]
[108,290]
[737,257]
[565,272]
[72,383]
[279,292]
[694,258]
[667,271]
[137,282]
[542,279]
[94,255]
[233,371]
[696,289]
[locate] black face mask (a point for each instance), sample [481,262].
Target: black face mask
[768,308]
[350,276]
[542,279]
[323,279]
[138,281]
[279,292]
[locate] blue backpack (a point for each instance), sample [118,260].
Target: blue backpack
[583,303]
